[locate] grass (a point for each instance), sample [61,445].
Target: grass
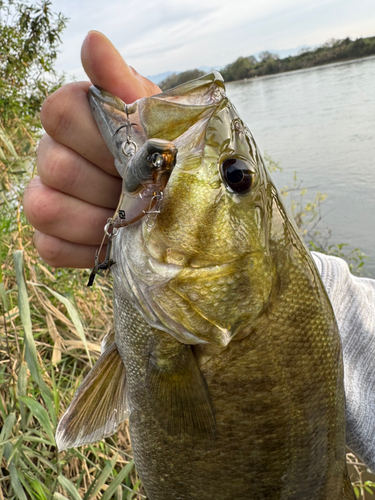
[50,333]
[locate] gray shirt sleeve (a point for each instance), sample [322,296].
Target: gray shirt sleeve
[353,302]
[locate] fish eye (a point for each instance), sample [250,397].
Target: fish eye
[237,175]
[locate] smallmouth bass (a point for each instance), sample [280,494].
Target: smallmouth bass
[226,355]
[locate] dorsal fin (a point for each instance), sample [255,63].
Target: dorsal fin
[99,405]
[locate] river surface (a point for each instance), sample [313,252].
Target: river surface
[320,123]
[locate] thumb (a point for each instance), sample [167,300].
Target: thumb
[106,68]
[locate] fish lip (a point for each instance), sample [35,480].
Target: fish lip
[96,93]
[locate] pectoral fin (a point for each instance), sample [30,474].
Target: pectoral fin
[99,405]
[181,398]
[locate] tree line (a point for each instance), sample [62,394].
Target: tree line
[268,63]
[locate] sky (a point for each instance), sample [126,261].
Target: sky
[155,36]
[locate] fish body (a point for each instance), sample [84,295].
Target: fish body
[224,331]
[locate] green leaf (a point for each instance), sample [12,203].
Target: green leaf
[3,296]
[50,406]
[73,313]
[37,486]
[40,414]
[5,432]
[22,391]
[69,487]
[117,481]
[58,496]
[7,427]
[103,476]
[24,309]
[16,483]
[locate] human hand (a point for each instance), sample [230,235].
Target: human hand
[77,188]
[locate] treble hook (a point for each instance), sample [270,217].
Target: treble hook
[99,267]
[158,196]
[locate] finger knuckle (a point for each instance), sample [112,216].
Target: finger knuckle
[58,168]
[50,250]
[58,110]
[53,114]
[40,205]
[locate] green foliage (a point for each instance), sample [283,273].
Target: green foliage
[29,37]
[268,63]
[180,78]
[362,480]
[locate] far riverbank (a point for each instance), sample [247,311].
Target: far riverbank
[302,70]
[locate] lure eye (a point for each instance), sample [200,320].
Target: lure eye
[237,175]
[157,160]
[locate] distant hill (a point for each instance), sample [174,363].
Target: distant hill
[160,77]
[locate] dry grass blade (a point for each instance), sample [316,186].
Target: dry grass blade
[57,339]
[5,139]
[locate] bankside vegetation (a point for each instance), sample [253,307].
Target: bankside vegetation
[180,78]
[268,63]
[51,324]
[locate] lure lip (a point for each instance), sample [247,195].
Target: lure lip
[96,93]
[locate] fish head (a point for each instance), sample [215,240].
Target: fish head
[202,266]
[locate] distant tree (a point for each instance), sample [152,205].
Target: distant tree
[180,78]
[240,69]
[266,56]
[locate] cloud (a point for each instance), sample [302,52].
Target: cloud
[161,35]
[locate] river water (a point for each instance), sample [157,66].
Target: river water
[320,123]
